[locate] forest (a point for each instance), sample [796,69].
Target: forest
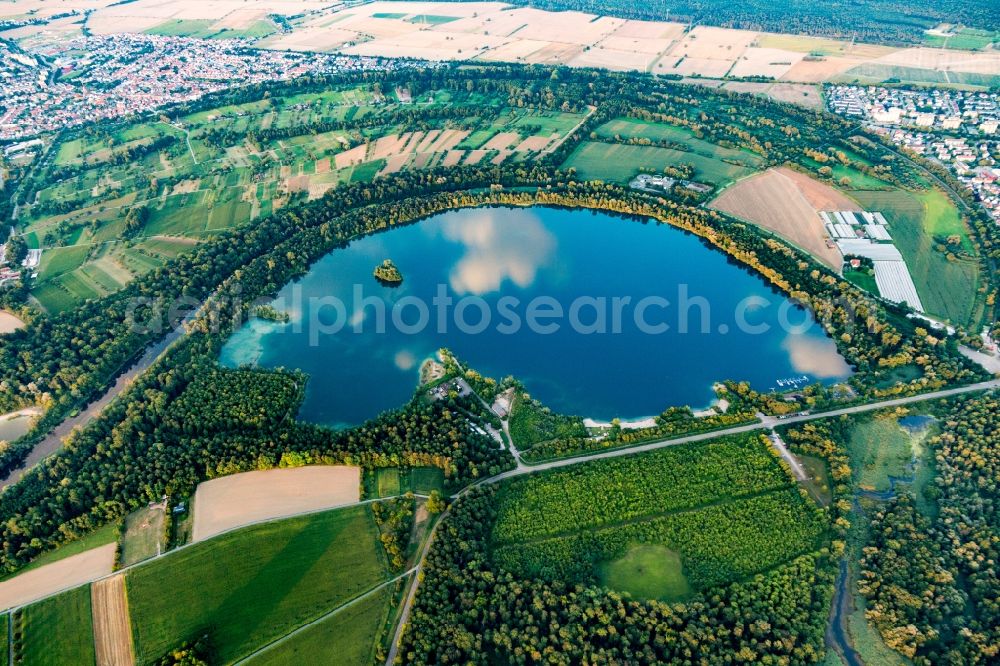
[931,581]
[874,21]
[471,610]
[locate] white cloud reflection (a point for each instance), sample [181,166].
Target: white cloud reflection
[815,356]
[405,359]
[495,250]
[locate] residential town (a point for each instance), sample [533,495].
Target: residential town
[91,78]
[957,128]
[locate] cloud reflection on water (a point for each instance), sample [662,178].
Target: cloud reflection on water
[496,251]
[815,356]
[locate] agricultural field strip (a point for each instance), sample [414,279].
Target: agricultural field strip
[223,158]
[324,616]
[265,521]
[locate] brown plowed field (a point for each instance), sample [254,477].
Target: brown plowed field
[788,203]
[112,631]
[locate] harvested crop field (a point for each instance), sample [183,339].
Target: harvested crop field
[495,31]
[820,196]
[785,202]
[242,499]
[9,323]
[112,629]
[62,575]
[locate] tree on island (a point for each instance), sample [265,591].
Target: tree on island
[387,273]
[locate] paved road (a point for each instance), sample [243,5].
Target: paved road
[322,617]
[765,424]
[404,617]
[54,440]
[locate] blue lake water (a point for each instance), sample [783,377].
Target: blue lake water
[617,282]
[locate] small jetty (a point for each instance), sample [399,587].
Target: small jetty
[792,382]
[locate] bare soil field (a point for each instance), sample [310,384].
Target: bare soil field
[765,62]
[783,202]
[817,71]
[533,143]
[701,66]
[62,575]
[500,141]
[9,323]
[112,628]
[615,60]
[714,43]
[494,31]
[349,157]
[820,196]
[452,158]
[242,499]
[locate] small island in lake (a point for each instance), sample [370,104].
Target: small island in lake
[387,273]
[270,313]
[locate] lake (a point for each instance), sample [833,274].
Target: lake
[598,315]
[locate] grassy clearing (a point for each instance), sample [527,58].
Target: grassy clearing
[873,72]
[648,572]
[54,297]
[56,631]
[966,39]
[947,286]
[394,481]
[818,483]
[182,28]
[620,163]
[432,19]
[254,585]
[631,128]
[61,260]
[143,535]
[347,637]
[879,448]
[862,279]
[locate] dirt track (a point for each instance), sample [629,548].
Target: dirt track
[112,630]
[243,499]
